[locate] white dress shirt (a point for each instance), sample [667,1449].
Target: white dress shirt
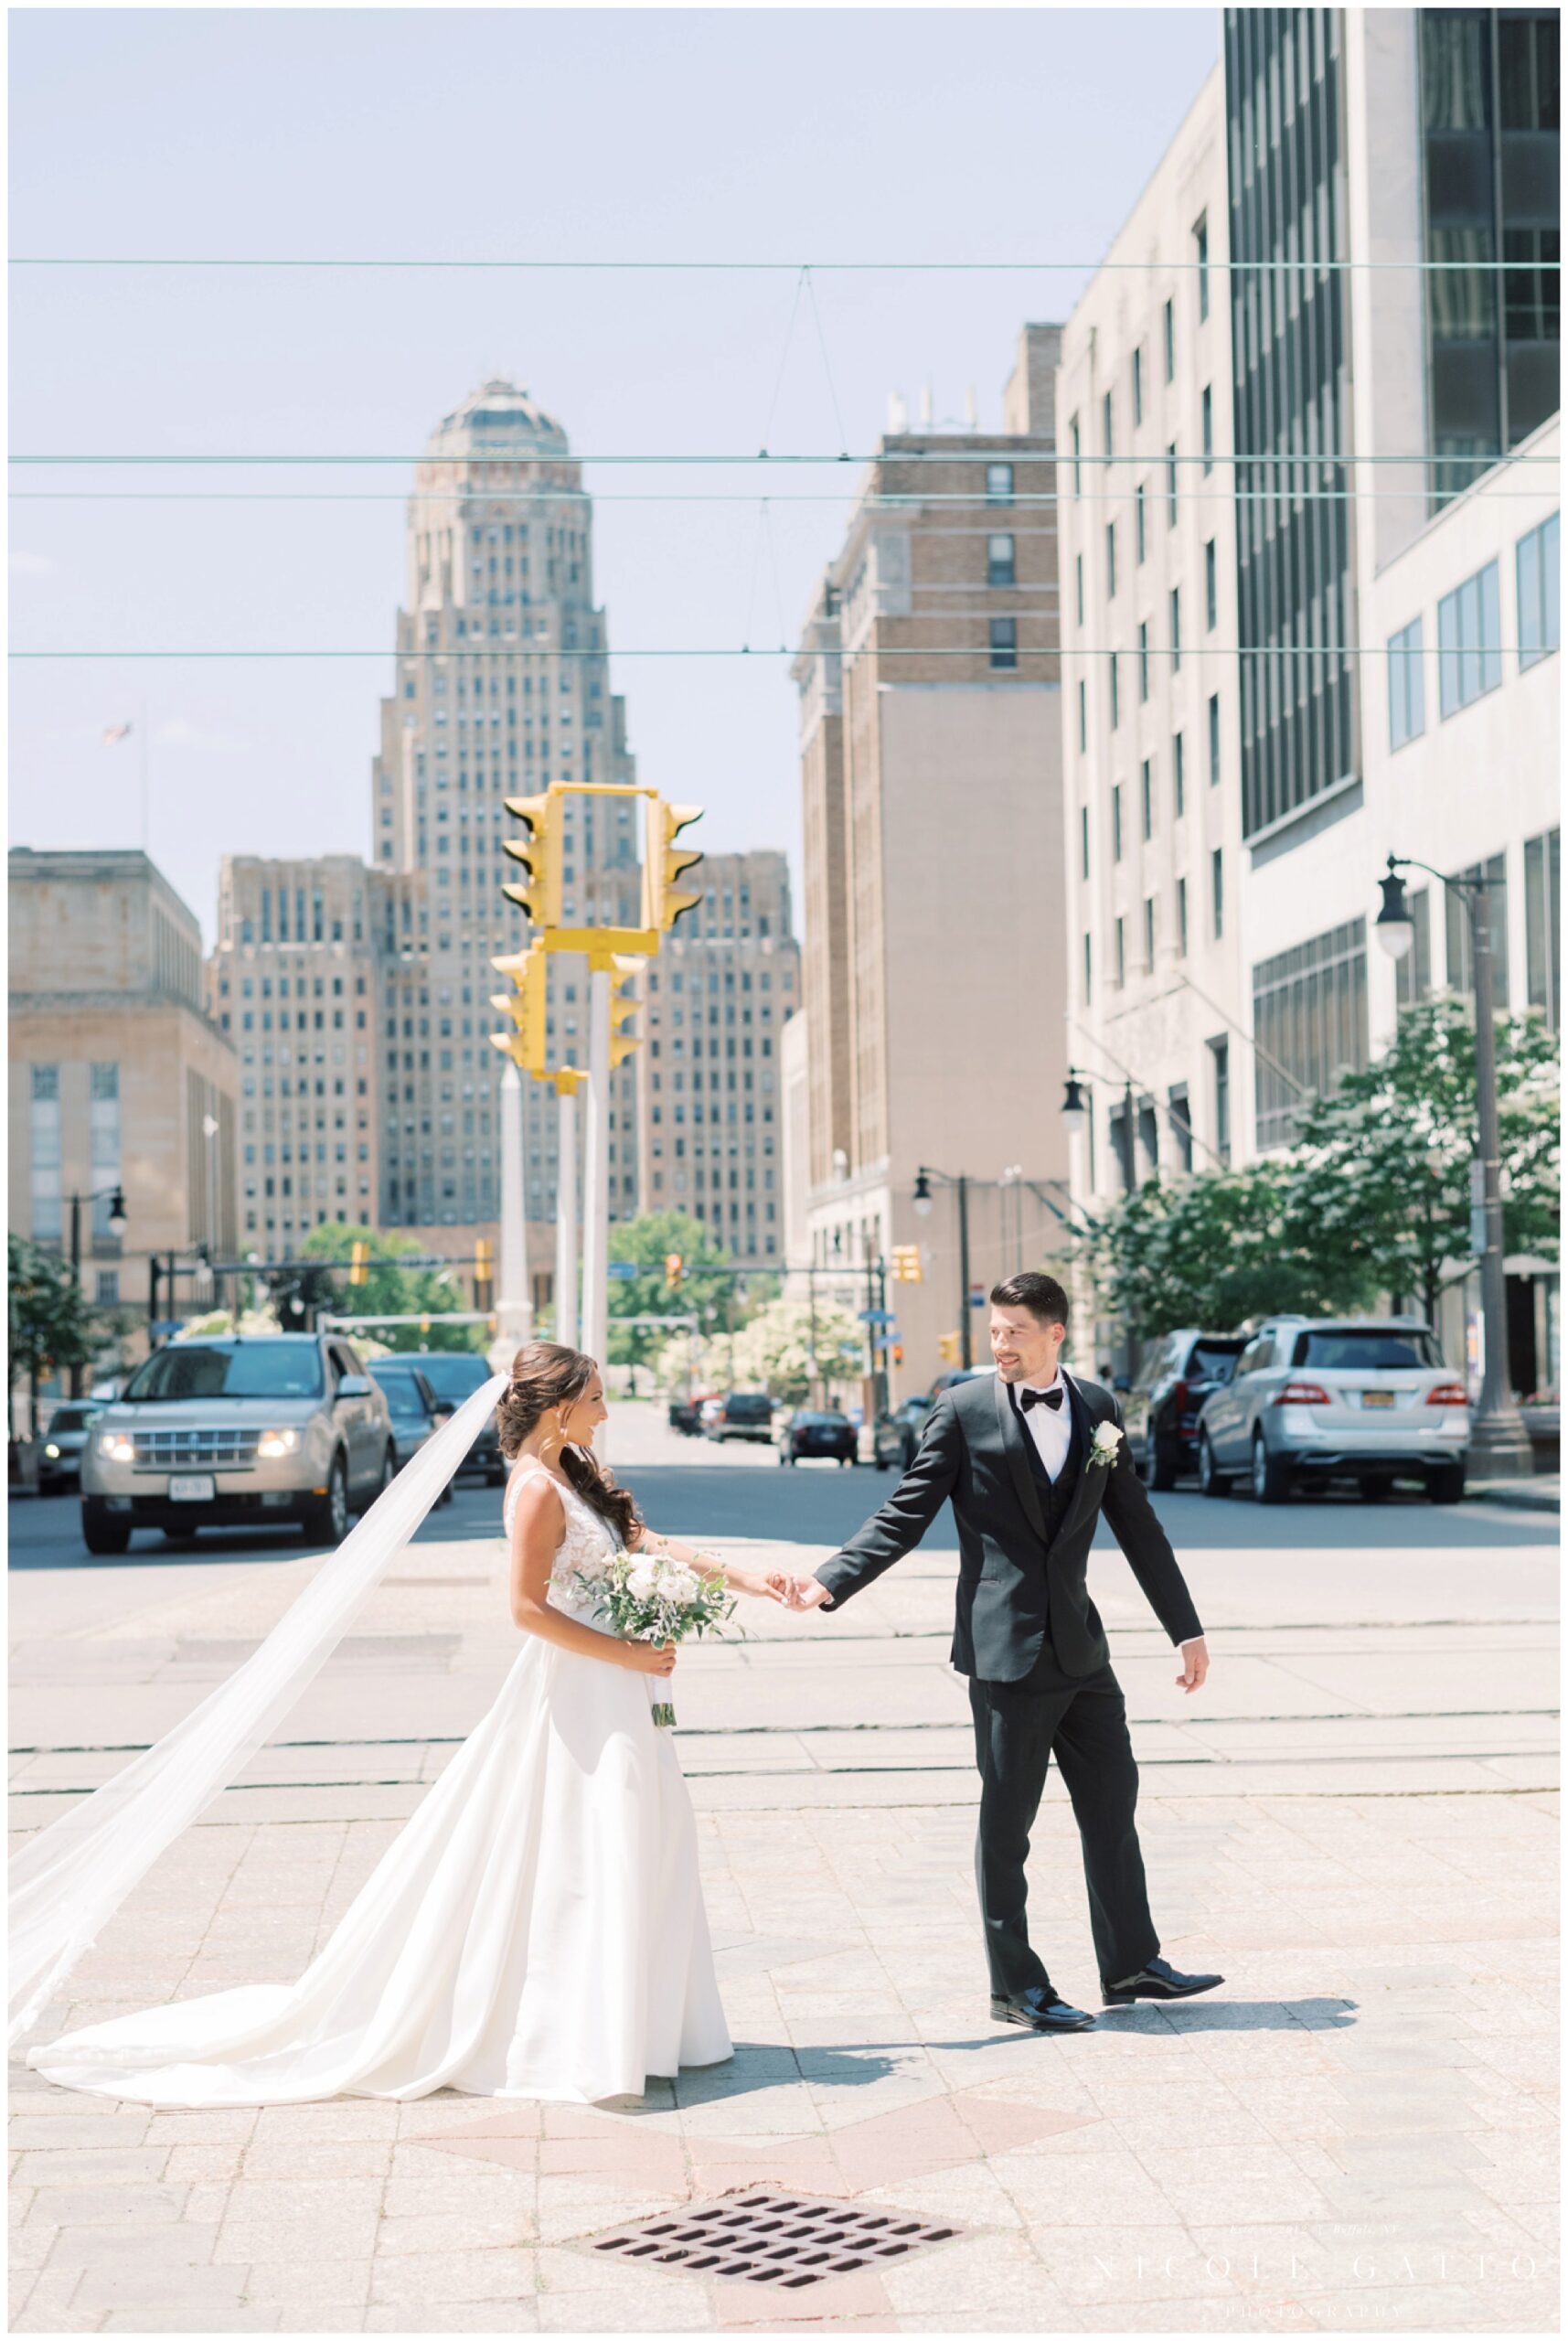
[1050,1427]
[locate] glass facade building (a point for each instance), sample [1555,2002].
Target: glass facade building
[1291,406]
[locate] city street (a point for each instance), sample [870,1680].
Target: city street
[1355,1822]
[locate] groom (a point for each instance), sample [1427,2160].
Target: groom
[1029,1460]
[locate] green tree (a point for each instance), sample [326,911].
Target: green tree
[390,1290]
[1214,1250]
[774,1350]
[648,1241]
[1380,1172]
[50,1324]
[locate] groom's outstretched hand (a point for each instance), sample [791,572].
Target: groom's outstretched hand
[1194,1664]
[798,1592]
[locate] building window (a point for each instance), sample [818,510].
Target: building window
[1210,587]
[1309,1017]
[103,1142]
[1143,662]
[1201,249]
[1181,918]
[1461,967]
[1470,643]
[1116,694]
[1083,718]
[1077,573]
[1207,428]
[1176,629]
[1137,387]
[1406,686]
[1088,971]
[107,1295]
[1148,933]
[1077,458]
[1178,776]
[1214,741]
[1117,822]
[1170,485]
[1413,974]
[44,1153]
[1148,786]
[1111,560]
[1217,892]
[1004,643]
[1170,341]
[1083,840]
[1219,1060]
[1000,568]
[998,483]
[1140,523]
[1179,1114]
[1108,425]
[1536,571]
[1121,953]
[1542,895]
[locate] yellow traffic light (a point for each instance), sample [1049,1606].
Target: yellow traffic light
[674,1271]
[541,855]
[949,1346]
[664,898]
[359,1261]
[907,1268]
[482,1274]
[622,1011]
[524,1004]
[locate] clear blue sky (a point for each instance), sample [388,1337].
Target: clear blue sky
[817,134]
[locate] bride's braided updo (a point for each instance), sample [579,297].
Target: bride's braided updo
[546,1374]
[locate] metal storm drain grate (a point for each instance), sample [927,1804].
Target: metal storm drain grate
[773,2238]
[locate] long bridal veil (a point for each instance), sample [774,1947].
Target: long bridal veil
[69,1879]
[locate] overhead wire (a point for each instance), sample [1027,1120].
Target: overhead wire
[1213,264]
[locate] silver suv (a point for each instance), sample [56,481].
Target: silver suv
[231,1432]
[1369,1399]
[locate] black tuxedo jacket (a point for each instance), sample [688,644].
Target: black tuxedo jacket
[1015,1585]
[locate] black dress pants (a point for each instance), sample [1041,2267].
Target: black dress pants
[1017,1726]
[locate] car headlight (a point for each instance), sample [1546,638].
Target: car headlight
[116,1447]
[273,1443]
[52,1450]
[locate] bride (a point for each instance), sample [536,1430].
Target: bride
[536,1929]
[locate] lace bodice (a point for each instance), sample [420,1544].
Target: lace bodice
[588,1539]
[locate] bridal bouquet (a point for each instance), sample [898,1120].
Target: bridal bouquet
[649,1598]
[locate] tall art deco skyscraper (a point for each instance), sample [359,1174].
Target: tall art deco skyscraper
[502,687]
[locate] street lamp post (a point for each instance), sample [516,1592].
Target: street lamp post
[1499,1440]
[115,1198]
[922,1179]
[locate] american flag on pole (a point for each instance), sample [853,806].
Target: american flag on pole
[116,731]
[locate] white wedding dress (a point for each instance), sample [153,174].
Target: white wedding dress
[536,1930]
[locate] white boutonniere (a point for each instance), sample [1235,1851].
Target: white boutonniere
[1103,1447]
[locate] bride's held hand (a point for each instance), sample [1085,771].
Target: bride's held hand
[649,1658]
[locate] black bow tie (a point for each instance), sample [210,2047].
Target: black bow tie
[1051,1397]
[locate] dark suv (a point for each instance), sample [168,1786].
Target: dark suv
[1161,1412]
[748,1413]
[454,1375]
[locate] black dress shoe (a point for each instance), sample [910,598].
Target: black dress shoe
[1039,2010]
[1158,1981]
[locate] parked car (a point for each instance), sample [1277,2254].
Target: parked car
[1369,1399]
[1177,1377]
[710,1411]
[683,1416]
[59,1456]
[957,1373]
[742,1413]
[898,1433]
[806,1431]
[417,1413]
[454,1375]
[234,1432]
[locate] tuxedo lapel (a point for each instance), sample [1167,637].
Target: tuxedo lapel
[1011,1431]
[1088,1474]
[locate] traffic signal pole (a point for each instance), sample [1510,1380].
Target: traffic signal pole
[566,1214]
[596,1168]
[965,1327]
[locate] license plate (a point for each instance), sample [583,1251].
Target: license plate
[1376,1398]
[192,1487]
